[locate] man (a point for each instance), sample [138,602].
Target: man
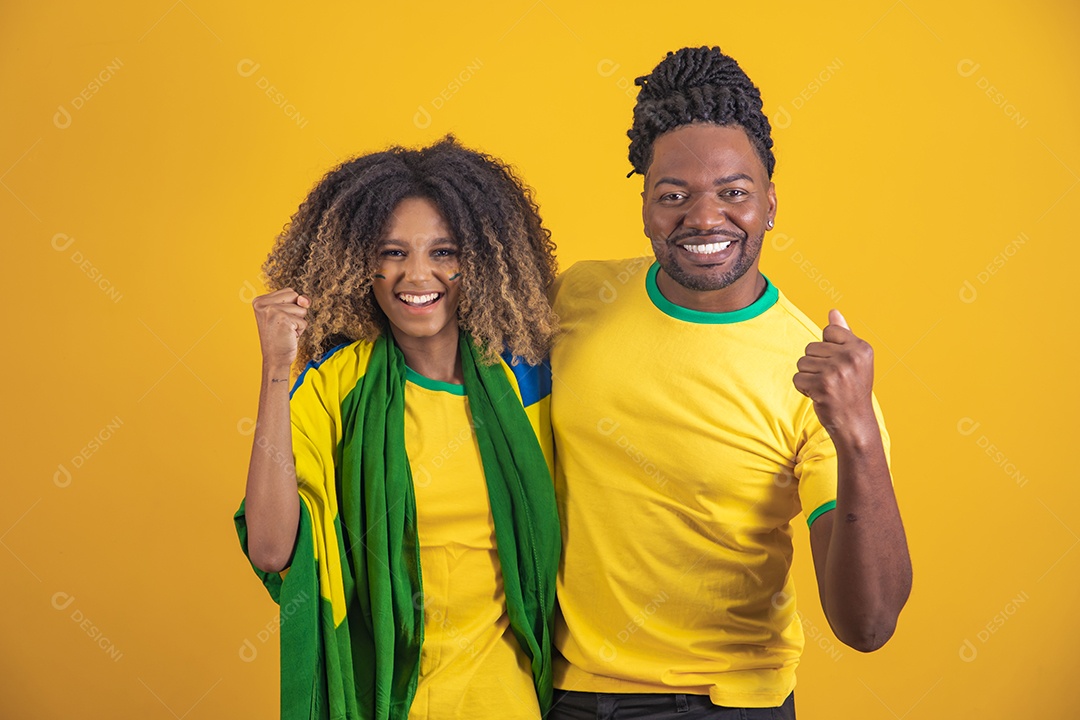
[696,413]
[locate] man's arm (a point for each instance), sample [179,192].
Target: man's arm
[860,549]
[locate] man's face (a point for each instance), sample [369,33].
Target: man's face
[706,205]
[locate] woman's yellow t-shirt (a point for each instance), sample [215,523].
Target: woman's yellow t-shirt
[471,664]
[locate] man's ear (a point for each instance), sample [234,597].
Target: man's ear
[644,202]
[644,225]
[772,201]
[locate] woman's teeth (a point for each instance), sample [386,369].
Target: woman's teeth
[418,300]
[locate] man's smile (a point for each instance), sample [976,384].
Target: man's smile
[707,248]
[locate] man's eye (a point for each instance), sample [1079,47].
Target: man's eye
[735,192]
[671,197]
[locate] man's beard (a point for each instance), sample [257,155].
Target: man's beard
[749,249]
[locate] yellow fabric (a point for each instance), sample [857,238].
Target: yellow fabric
[539,413]
[471,665]
[684,451]
[315,409]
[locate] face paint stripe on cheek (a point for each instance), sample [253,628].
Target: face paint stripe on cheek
[455,276]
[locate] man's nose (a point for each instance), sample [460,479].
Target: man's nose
[706,212]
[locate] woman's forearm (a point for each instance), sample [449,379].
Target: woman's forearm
[272,504]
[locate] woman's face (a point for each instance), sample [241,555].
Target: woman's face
[417,282]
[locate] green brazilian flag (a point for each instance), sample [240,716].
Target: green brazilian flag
[366,666]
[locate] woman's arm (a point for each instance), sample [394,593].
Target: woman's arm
[272,503]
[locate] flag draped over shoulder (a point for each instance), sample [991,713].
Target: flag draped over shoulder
[351,617]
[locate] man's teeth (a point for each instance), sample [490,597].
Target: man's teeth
[418,299]
[708,248]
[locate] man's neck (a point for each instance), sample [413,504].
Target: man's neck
[736,296]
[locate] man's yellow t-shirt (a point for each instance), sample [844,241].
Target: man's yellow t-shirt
[683,452]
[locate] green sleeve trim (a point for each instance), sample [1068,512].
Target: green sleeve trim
[751,311]
[429,384]
[831,505]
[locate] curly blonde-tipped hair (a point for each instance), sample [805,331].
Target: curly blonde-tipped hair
[327,252]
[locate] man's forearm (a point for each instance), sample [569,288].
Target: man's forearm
[867,578]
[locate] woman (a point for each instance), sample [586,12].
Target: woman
[415,567]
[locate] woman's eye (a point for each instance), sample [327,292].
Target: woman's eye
[391,252]
[445,252]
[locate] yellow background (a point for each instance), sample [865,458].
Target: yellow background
[137,212]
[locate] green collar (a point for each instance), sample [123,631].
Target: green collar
[429,384]
[763,303]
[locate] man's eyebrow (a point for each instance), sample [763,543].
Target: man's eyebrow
[732,178]
[718,181]
[670,181]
